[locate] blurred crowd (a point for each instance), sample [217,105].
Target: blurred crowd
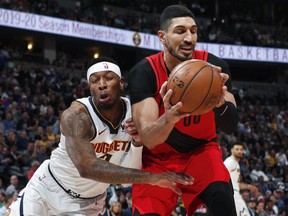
[229,22]
[33,96]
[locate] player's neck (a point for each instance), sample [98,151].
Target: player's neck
[115,114]
[170,61]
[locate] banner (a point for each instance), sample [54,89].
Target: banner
[52,25]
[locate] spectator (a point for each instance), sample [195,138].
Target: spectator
[279,195]
[281,158]
[34,166]
[263,186]
[22,140]
[252,207]
[2,199]
[270,207]
[29,154]
[8,122]
[2,186]
[261,209]
[5,160]
[42,152]
[105,210]
[116,209]
[13,187]
[9,198]
[116,191]
[256,173]
[11,139]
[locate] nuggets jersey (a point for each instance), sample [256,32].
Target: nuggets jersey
[234,170]
[111,144]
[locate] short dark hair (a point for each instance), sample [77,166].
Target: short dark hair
[101,59]
[171,12]
[237,143]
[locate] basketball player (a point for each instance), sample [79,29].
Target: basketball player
[178,142]
[232,164]
[93,152]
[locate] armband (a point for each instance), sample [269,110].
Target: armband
[227,117]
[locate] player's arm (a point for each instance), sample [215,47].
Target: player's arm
[77,129]
[153,129]
[226,115]
[229,165]
[252,188]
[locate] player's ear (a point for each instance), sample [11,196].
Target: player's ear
[121,85]
[162,36]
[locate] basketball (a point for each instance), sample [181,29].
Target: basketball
[197,84]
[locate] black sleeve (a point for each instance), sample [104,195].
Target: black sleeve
[224,66]
[226,116]
[141,82]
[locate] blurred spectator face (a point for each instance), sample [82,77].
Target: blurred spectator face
[14,180]
[252,204]
[245,195]
[2,197]
[122,198]
[116,208]
[260,207]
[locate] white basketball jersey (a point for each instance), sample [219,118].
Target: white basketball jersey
[110,144]
[234,169]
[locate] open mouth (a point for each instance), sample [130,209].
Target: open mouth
[187,50]
[104,97]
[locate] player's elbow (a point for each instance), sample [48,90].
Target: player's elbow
[229,130]
[83,171]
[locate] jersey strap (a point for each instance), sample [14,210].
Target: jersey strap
[200,54]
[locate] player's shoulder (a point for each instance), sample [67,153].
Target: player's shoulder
[141,65]
[213,59]
[229,159]
[73,110]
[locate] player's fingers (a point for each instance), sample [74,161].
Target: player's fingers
[163,89]
[189,179]
[175,189]
[224,77]
[177,106]
[166,99]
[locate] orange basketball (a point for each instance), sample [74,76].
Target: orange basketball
[197,84]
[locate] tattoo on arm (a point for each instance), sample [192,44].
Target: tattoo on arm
[77,128]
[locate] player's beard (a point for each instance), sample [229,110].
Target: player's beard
[173,52]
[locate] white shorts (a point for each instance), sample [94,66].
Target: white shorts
[43,196]
[240,204]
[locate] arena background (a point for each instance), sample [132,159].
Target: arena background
[248,24]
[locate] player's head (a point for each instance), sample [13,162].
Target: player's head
[178,32]
[171,12]
[103,64]
[105,82]
[237,149]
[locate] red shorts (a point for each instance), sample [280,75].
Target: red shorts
[205,164]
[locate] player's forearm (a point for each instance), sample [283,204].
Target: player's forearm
[152,129]
[156,132]
[106,172]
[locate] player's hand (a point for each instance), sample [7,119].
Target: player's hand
[170,180]
[253,189]
[131,129]
[171,112]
